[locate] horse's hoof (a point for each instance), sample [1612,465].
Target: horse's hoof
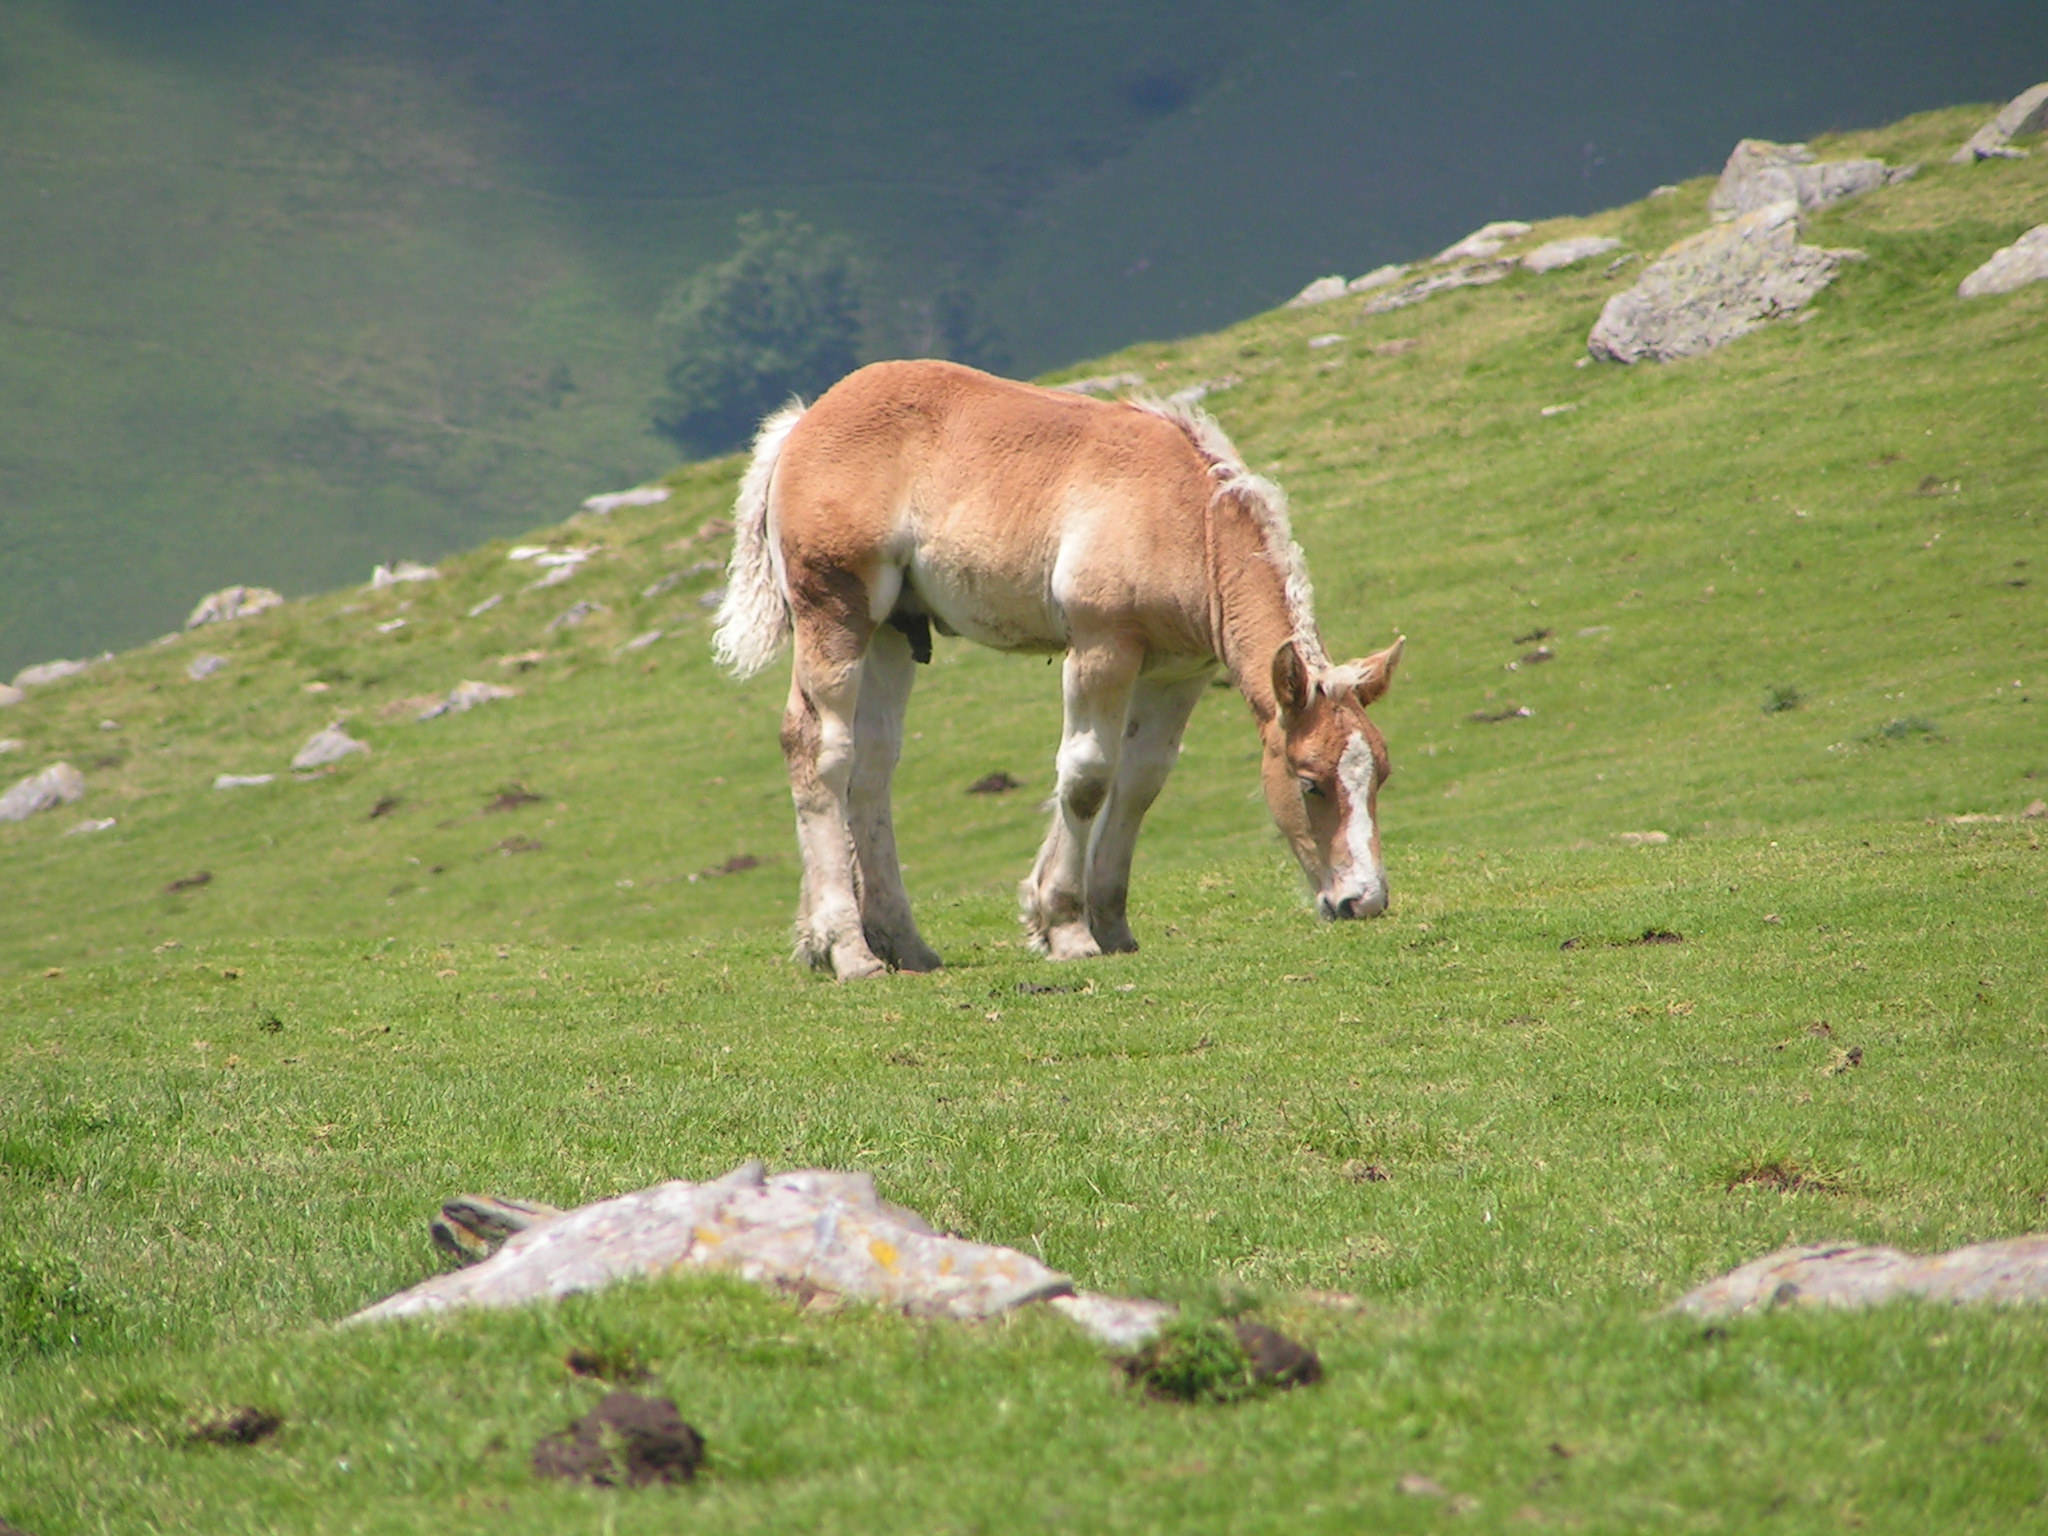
[919,960]
[856,963]
[1071,941]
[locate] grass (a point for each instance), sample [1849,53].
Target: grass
[1467,1152]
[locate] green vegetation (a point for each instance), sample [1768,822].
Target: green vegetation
[1465,1157]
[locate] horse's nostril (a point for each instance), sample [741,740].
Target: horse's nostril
[1350,906]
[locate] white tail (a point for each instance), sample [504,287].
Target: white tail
[753,617]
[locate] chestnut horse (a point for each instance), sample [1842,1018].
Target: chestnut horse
[1128,535]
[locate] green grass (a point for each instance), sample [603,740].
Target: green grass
[226,1116]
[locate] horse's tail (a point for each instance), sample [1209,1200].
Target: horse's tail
[753,616]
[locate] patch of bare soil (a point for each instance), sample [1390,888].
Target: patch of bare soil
[238,1426]
[511,797]
[1782,1174]
[626,1440]
[997,783]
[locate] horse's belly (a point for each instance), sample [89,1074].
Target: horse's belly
[1007,611]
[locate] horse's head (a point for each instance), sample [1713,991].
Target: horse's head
[1324,765]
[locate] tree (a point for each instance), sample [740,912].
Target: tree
[779,317]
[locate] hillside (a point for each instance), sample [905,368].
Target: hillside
[249,1037]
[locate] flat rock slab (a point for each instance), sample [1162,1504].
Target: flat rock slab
[1760,173]
[1714,286]
[1844,1275]
[58,784]
[2026,113]
[1569,252]
[806,1232]
[2024,261]
[327,746]
[233,603]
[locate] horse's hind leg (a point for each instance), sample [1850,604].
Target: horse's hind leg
[818,744]
[1158,715]
[1097,683]
[890,930]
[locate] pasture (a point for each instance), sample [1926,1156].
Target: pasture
[1794,597]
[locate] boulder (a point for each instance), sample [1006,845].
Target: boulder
[466,696]
[1714,286]
[1760,173]
[1844,1275]
[242,780]
[406,570]
[1378,277]
[327,746]
[58,784]
[1472,274]
[2026,113]
[575,613]
[1565,253]
[2024,261]
[44,673]
[1484,243]
[610,502]
[233,603]
[1321,291]
[11,744]
[9,694]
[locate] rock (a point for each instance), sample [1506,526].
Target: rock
[9,694]
[1103,384]
[242,780]
[1327,339]
[1843,1275]
[1321,291]
[1643,839]
[1201,389]
[1714,286]
[58,784]
[1565,253]
[1378,277]
[406,570]
[641,641]
[554,578]
[1483,243]
[11,744]
[203,667]
[2025,113]
[44,673]
[471,1228]
[327,746]
[1121,1322]
[1760,173]
[625,1441]
[2024,261]
[804,1232]
[100,824]
[2035,811]
[466,695]
[1472,275]
[484,607]
[570,617]
[642,496]
[233,603]
[542,554]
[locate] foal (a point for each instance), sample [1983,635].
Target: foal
[1131,537]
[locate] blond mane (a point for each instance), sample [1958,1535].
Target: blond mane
[1263,501]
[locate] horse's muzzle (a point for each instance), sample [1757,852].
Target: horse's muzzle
[1357,904]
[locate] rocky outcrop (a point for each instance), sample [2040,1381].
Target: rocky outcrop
[58,784]
[242,780]
[1472,274]
[201,668]
[327,746]
[1484,243]
[233,603]
[1714,286]
[405,571]
[44,673]
[611,501]
[9,694]
[1566,253]
[2024,261]
[1321,291]
[1844,1275]
[2026,113]
[1378,277]
[466,696]
[1760,173]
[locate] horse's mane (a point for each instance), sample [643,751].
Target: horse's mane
[1263,501]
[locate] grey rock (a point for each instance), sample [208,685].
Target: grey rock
[1378,277]
[9,694]
[570,617]
[641,641]
[326,746]
[466,696]
[44,673]
[1760,173]
[58,784]
[1106,383]
[641,496]
[1470,275]
[2026,113]
[1321,291]
[486,605]
[1484,243]
[203,667]
[397,575]
[1564,253]
[1201,389]
[233,603]
[2024,261]
[99,824]
[1844,1275]
[242,780]
[10,744]
[1714,286]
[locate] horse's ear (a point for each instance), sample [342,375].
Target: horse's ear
[1290,680]
[1376,671]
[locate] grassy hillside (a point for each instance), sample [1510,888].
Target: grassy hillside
[1795,599]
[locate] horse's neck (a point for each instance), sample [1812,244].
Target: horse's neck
[1252,613]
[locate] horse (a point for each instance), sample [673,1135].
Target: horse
[1128,535]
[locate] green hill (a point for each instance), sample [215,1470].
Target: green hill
[1794,596]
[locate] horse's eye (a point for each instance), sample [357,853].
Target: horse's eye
[1310,786]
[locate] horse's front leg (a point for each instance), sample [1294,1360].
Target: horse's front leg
[1158,715]
[886,922]
[1097,685]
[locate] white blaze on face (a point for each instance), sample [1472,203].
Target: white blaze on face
[1356,771]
